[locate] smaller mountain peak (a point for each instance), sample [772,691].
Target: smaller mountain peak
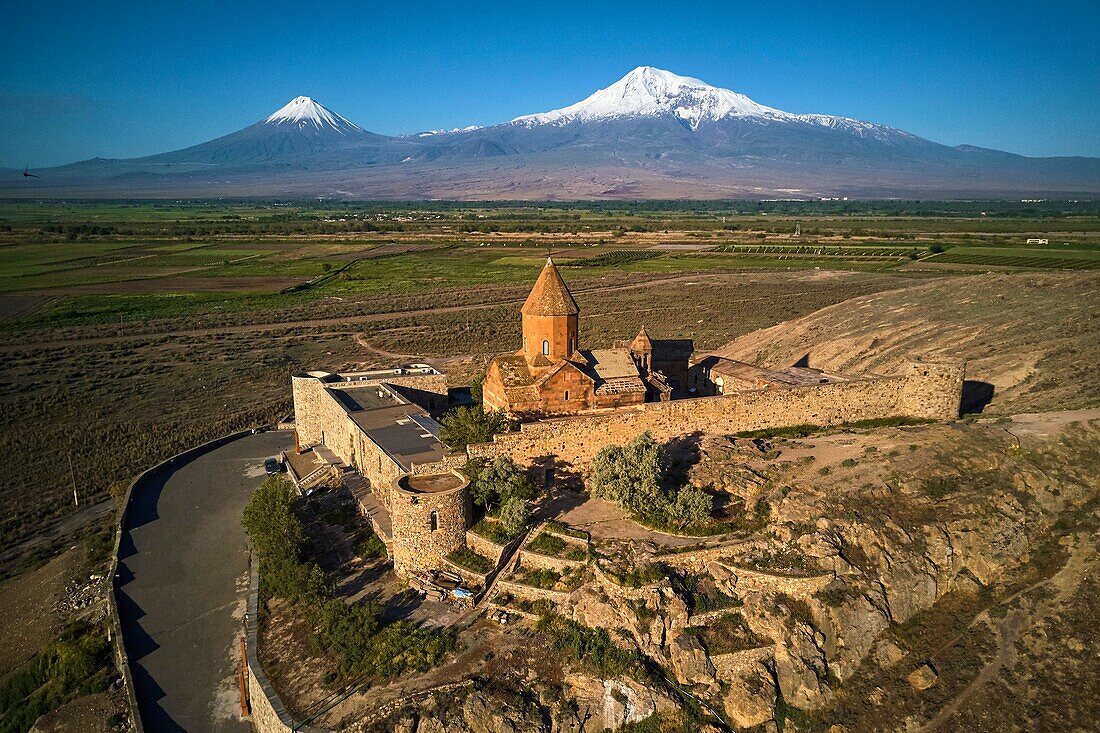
[304,112]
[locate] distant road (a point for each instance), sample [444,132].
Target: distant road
[183,575]
[60,528]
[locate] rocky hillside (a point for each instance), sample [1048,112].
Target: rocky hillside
[897,578]
[1034,338]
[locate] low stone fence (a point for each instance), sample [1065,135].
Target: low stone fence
[730,666]
[531,559]
[470,576]
[746,580]
[622,592]
[706,618]
[697,560]
[530,592]
[138,484]
[483,546]
[269,715]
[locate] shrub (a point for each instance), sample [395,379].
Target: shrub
[471,560]
[631,476]
[541,578]
[515,513]
[371,547]
[593,648]
[493,531]
[547,544]
[471,424]
[352,632]
[497,481]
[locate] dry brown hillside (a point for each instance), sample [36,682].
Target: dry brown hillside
[1034,337]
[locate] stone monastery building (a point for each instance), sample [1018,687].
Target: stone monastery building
[377,431]
[552,375]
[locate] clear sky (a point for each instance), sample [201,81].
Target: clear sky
[119,79]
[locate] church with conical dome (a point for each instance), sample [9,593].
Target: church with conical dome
[551,375]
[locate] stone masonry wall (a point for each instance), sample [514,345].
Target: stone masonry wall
[484,547]
[731,666]
[926,390]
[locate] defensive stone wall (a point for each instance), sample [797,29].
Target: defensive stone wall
[485,547]
[746,580]
[537,560]
[929,390]
[731,666]
[427,526]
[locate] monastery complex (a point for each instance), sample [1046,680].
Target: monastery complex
[378,430]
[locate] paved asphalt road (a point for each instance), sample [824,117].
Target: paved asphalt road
[184,579]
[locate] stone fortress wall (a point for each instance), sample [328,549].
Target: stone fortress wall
[427,525]
[927,390]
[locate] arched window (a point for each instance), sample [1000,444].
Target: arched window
[435,520]
[545,347]
[566,395]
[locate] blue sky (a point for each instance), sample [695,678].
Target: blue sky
[80,79]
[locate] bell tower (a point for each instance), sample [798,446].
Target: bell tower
[549,319]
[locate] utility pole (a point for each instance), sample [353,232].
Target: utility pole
[72,474]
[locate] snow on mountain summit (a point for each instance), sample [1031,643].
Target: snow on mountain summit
[303,113]
[648,92]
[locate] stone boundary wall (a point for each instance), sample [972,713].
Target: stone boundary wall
[468,575]
[697,560]
[446,464]
[706,618]
[536,560]
[137,484]
[622,592]
[745,580]
[728,667]
[530,592]
[485,547]
[269,715]
[930,390]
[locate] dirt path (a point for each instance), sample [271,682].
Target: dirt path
[334,321]
[1017,621]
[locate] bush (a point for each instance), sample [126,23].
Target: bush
[541,578]
[471,424]
[493,483]
[352,632]
[371,547]
[493,531]
[547,544]
[515,513]
[593,648]
[467,558]
[631,476]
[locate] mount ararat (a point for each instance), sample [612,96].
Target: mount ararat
[652,134]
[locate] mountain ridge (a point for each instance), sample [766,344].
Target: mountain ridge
[652,134]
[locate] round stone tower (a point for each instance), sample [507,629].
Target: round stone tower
[429,516]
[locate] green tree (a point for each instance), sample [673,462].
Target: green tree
[630,475]
[515,513]
[471,424]
[496,481]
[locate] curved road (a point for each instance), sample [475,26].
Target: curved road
[183,583]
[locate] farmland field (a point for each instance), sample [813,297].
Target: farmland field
[132,330]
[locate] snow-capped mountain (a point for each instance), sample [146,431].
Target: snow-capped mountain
[303,112]
[651,134]
[651,92]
